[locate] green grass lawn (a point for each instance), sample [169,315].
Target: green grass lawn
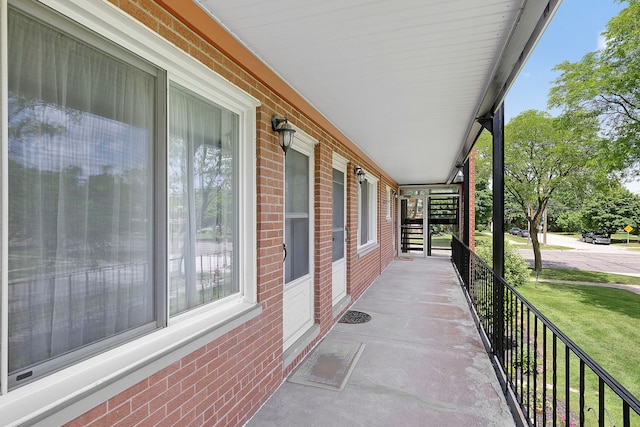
[442,240]
[483,236]
[623,237]
[586,276]
[620,239]
[519,241]
[604,322]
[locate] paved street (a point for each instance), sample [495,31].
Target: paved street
[585,256]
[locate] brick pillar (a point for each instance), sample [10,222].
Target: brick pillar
[323,245]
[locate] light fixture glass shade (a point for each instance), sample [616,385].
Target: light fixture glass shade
[360,174]
[285,136]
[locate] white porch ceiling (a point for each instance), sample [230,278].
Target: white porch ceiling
[405,80]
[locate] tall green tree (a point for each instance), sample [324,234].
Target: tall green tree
[612,211]
[544,155]
[484,204]
[605,84]
[484,196]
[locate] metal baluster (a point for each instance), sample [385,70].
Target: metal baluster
[528,365]
[626,419]
[535,367]
[544,374]
[582,384]
[601,402]
[554,380]
[567,385]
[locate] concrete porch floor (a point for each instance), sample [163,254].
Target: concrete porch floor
[423,364]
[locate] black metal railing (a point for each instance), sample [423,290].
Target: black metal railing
[552,380]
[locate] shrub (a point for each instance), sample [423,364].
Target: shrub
[516,268]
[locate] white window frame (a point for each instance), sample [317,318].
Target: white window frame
[69,392]
[372,211]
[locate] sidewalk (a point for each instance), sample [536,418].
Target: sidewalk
[423,363]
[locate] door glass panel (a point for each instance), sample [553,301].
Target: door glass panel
[337,232]
[364,212]
[296,215]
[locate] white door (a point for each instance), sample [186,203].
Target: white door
[338,235]
[298,244]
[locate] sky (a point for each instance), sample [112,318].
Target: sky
[574,31]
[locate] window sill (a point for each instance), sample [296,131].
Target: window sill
[366,248]
[68,393]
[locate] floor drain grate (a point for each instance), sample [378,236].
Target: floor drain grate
[353,316]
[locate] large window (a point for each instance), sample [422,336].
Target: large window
[203,139]
[81,143]
[130,196]
[367,212]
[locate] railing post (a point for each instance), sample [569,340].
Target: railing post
[498,318]
[466,216]
[498,231]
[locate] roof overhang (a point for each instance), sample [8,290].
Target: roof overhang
[404,80]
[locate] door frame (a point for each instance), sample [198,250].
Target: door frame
[299,295]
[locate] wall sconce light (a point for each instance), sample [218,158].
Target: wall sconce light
[459,175]
[285,131]
[360,174]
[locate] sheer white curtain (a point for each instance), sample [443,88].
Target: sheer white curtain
[202,188]
[81,127]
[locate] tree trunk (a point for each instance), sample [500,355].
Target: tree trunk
[534,218]
[537,257]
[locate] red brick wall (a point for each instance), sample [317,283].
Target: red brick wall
[363,269]
[386,229]
[226,381]
[323,236]
[221,384]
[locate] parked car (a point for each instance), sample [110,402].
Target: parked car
[523,233]
[596,238]
[601,238]
[514,231]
